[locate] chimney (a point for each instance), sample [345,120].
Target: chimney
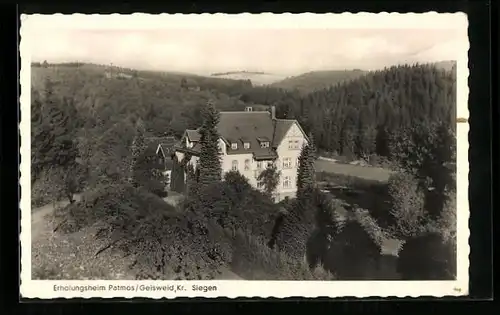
[273,112]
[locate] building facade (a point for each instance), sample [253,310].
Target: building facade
[249,142]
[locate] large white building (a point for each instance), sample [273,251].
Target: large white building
[249,142]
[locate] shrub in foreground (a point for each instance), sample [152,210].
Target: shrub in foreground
[427,257]
[254,260]
[353,254]
[235,207]
[164,243]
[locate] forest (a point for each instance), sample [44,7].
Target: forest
[90,132]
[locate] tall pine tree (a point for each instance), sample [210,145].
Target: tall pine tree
[210,162]
[137,149]
[306,172]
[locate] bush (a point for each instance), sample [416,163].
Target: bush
[407,205]
[165,244]
[370,225]
[314,210]
[54,184]
[447,221]
[238,183]
[427,257]
[296,226]
[316,247]
[254,260]
[353,254]
[236,207]
[186,249]
[156,187]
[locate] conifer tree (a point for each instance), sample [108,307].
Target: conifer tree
[54,143]
[306,171]
[137,149]
[209,163]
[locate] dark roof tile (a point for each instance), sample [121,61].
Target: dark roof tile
[193,135]
[250,127]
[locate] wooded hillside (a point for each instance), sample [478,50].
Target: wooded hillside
[90,126]
[317,80]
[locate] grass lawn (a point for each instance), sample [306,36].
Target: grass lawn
[364,172]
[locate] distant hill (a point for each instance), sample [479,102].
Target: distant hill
[65,71]
[257,78]
[317,80]
[168,101]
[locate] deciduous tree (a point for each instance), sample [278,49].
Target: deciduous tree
[269,179]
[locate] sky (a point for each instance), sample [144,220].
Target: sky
[286,51]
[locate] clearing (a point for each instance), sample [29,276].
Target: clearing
[364,172]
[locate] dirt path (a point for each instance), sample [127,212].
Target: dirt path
[38,216]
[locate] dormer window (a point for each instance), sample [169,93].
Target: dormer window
[264,142]
[234,146]
[246,145]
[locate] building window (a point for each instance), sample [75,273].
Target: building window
[259,165]
[246,145]
[293,144]
[287,183]
[260,185]
[297,162]
[234,146]
[234,165]
[247,165]
[287,163]
[264,144]
[269,164]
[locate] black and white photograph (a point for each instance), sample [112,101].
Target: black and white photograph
[177,155]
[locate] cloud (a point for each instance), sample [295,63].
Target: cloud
[283,51]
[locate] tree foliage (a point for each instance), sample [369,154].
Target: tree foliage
[137,149]
[269,179]
[427,257]
[87,131]
[306,173]
[53,140]
[209,163]
[356,117]
[407,205]
[352,254]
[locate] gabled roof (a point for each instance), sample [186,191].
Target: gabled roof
[164,144]
[252,127]
[193,134]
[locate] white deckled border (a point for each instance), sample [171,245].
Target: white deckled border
[281,289]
